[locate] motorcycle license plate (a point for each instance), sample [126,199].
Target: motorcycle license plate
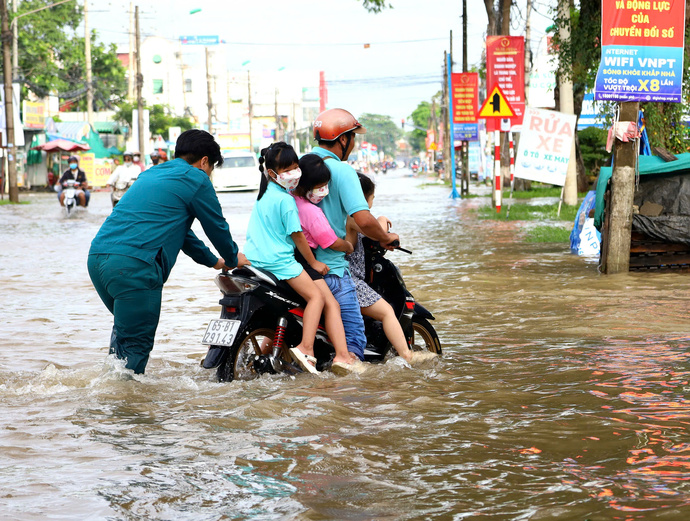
[221,332]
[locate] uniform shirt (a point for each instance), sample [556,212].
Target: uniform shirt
[315,226]
[344,198]
[155,218]
[69,174]
[269,245]
[122,175]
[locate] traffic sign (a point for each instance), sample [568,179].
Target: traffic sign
[496,106]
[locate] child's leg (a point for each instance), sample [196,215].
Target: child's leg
[334,324]
[303,285]
[383,312]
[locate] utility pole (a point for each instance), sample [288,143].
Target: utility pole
[140,85]
[250,110]
[447,120]
[465,181]
[528,48]
[9,111]
[87,52]
[15,43]
[567,105]
[209,104]
[130,65]
[617,236]
[434,126]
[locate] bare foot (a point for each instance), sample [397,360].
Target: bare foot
[347,359]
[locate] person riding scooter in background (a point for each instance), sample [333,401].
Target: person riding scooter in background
[136,159]
[76,173]
[157,158]
[122,178]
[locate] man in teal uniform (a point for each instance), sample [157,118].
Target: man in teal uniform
[335,130]
[137,246]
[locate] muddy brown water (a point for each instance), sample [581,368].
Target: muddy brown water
[561,394]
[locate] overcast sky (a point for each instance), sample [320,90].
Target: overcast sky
[402,66]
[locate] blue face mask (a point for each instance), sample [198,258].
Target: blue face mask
[73,166]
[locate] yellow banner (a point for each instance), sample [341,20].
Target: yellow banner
[97,170]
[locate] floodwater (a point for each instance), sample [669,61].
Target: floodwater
[561,394]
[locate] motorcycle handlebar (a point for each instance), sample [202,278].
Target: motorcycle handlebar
[396,245]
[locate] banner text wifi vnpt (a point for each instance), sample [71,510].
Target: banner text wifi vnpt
[642,50]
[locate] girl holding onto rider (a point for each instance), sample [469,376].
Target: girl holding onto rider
[371,303]
[274,231]
[311,189]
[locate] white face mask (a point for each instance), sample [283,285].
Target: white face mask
[288,179]
[316,195]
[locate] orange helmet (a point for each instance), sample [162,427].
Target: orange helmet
[333,123]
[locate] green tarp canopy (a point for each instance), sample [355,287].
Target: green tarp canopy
[97,146]
[649,165]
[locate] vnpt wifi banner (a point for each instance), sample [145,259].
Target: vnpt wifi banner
[642,51]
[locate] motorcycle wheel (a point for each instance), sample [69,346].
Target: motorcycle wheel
[424,336]
[239,365]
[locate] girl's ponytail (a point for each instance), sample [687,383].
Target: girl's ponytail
[263,185]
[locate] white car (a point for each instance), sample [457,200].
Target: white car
[239,172]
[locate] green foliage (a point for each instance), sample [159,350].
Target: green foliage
[528,212]
[421,116]
[593,148]
[376,6]
[160,118]
[381,131]
[52,57]
[548,234]
[536,190]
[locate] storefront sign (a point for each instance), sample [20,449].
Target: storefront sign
[34,114]
[642,50]
[505,68]
[545,143]
[97,170]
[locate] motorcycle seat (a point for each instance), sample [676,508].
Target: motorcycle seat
[268,278]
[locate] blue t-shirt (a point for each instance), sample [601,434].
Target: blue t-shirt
[154,217]
[344,198]
[269,245]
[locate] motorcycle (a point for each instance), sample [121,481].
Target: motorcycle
[71,200]
[117,193]
[261,319]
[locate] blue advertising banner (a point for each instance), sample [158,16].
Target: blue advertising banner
[642,51]
[465,131]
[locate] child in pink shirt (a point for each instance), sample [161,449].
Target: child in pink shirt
[312,187]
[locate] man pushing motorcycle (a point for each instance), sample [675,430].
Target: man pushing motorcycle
[335,130]
[135,249]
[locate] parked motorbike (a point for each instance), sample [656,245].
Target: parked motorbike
[261,319]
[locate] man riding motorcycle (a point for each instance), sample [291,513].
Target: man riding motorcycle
[77,174]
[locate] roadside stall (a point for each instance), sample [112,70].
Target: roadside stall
[660,238]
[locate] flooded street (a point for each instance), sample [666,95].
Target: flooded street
[561,393]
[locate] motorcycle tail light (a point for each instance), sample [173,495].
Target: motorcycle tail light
[409,305]
[234,285]
[230,309]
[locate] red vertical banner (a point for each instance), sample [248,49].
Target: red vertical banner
[323,91]
[465,91]
[505,67]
